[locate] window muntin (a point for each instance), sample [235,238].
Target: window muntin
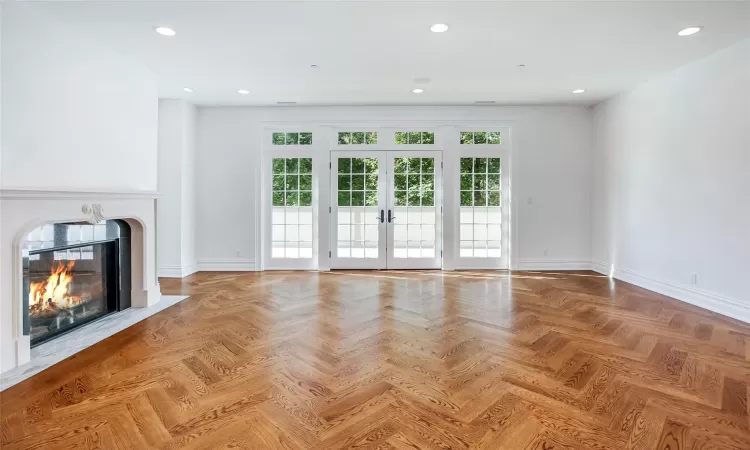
[357,137]
[415,137]
[414,208]
[292,214]
[480,137]
[292,138]
[357,186]
[480,221]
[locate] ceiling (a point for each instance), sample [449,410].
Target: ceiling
[371,52]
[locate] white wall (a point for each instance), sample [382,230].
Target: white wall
[552,157]
[176,205]
[672,183]
[76,116]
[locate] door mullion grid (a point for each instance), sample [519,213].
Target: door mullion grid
[387,201]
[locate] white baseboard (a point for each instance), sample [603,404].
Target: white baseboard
[711,301]
[552,264]
[226,265]
[601,267]
[177,271]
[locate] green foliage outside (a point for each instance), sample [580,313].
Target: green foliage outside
[415,137]
[480,181]
[358,138]
[358,181]
[414,181]
[291,139]
[292,181]
[480,137]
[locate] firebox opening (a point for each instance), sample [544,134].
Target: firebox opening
[74,273]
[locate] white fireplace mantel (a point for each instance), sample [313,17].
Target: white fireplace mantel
[22,194]
[22,210]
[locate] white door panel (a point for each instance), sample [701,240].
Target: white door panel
[386,210]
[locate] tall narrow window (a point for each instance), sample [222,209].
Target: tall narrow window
[480,221]
[292,214]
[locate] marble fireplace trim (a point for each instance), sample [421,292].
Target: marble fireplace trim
[23,210]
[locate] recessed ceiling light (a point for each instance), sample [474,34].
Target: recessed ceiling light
[187,89]
[243,91]
[165,31]
[314,66]
[579,91]
[417,90]
[439,28]
[522,65]
[689,31]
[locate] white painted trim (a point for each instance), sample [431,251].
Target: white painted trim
[601,267]
[31,194]
[710,301]
[177,271]
[226,265]
[552,264]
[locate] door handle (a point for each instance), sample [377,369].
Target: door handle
[390,216]
[382,216]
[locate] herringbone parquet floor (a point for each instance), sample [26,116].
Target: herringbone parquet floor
[399,360]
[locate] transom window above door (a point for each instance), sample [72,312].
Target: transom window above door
[480,137]
[292,138]
[357,137]
[415,137]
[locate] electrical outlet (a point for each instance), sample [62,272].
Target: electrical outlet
[530,201]
[238,253]
[694,278]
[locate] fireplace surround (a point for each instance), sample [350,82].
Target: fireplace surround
[22,211]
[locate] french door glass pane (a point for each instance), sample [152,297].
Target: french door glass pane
[480,215]
[291,211]
[357,223]
[414,208]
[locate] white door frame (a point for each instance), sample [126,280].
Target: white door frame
[386,209]
[447,139]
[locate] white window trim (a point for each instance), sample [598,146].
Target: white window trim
[263,242]
[484,151]
[447,139]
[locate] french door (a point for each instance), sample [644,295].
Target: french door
[386,210]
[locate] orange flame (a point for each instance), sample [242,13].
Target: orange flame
[53,294]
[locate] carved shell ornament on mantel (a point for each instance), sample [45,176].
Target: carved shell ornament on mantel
[94,212]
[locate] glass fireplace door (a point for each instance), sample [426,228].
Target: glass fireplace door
[68,287]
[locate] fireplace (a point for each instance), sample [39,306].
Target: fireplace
[74,273]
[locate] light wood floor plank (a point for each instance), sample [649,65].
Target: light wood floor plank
[397,360]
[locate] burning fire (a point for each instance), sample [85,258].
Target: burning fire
[52,295]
